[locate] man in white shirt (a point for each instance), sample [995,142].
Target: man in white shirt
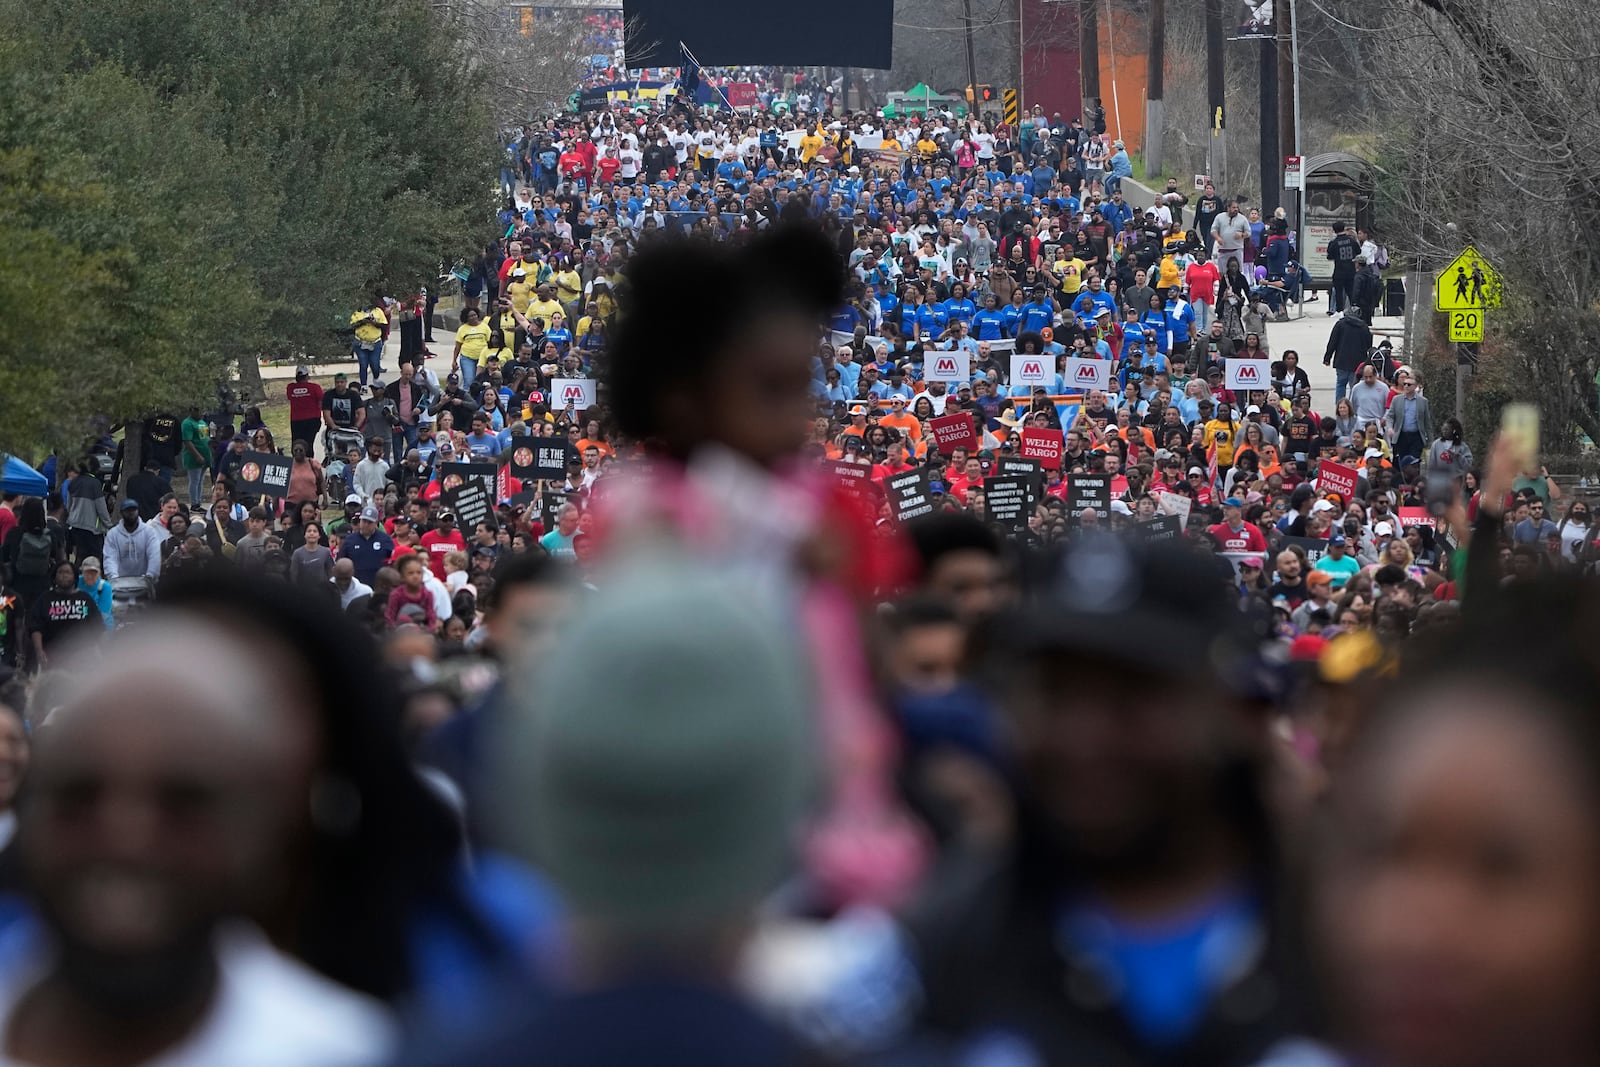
[372,473]
[156,814]
[346,584]
[1229,232]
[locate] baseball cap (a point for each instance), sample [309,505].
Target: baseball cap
[1373,453]
[1253,409]
[353,498]
[370,514]
[90,563]
[130,504]
[1251,561]
[446,515]
[1233,502]
[1120,507]
[1383,528]
[1336,539]
[1322,505]
[1101,590]
[453,379]
[1196,470]
[302,371]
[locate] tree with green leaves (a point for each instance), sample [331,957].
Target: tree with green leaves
[300,154]
[121,288]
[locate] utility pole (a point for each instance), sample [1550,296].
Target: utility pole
[1288,141]
[1089,55]
[1155,79]
[1216,118]
[1271,158]
[972,62]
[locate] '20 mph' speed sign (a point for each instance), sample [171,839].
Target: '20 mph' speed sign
[1466,325]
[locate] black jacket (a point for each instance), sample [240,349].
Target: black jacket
[1342,253]
[1348,343]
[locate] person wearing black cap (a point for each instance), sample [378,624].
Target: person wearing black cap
[1135,918]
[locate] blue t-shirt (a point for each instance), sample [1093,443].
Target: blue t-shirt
[989,325]
[1168,971]
[487,445]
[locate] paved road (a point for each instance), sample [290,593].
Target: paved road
[443,344]
[1306,334]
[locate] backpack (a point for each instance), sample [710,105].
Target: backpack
[34,553]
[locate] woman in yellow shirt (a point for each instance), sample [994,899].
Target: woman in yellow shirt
[520,290]
[472,345]
[1224,433]
[569,287]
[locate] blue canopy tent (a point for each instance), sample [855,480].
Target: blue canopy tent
[17,477]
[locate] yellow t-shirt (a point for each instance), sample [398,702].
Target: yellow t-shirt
[890,144]
[927,147]
[810,145]
[1169,273]
[369,332]
[508,324]
[569,286]
[474,341]
[1223,435]
[1070,271]
[521,293]
[543,310]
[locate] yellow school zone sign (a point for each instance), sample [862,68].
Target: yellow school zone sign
[1467,283]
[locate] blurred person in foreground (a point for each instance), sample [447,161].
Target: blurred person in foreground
[736,491]
[156,818]
[374,889]
[1138,916]
[1459,888]
[661,796]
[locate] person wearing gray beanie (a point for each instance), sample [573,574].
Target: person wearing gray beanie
[656,763]
[659,762]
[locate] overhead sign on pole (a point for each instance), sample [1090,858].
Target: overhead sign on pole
[1467,282]
[1292,174]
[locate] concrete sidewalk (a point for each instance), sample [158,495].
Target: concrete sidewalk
[444,343]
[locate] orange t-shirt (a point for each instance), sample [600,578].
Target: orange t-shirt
[605,449]
[906,424]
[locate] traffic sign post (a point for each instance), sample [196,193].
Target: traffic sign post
[1463,290]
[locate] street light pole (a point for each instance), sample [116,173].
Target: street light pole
[972,61]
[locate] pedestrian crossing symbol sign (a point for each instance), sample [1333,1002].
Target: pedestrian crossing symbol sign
[1467,283]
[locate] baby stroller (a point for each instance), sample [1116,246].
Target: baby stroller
[129,595]
[336,446]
